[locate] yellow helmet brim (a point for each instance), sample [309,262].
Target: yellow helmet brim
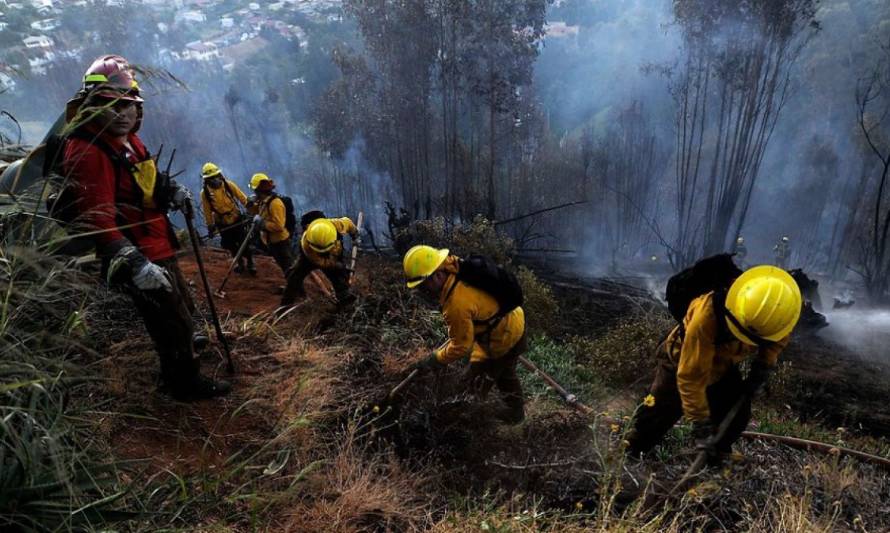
[762,271]
[322,249]
[443,255]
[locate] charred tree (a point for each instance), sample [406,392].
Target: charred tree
[729,91]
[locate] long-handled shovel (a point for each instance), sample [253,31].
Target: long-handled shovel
[702,458]
[355,245]
[389,398]
[219,291]
[567,396]
[189,212]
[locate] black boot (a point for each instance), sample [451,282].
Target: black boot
[345,300]
[514,413]
[200,342]
[199,387]
[251,268]
[239,268]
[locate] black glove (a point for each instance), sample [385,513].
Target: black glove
[758,377]
[428,363]
[211,230]
[703,436]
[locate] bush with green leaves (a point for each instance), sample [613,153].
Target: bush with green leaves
[540,306]
[476,237]
[626,352]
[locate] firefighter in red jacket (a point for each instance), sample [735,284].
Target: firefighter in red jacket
[121,195]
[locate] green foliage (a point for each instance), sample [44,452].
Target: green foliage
[559,362]
[51,475]
[541,308]
[624,352]
[476,237]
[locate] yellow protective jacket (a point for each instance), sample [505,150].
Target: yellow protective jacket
[701,361]
[332,258]
[465,309]
[271,209]
[220,208]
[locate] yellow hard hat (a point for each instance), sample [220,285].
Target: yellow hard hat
[321,235]
[766,301]
[258,178]
[210,170]
[421,261]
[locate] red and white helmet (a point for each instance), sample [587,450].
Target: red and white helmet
[112,76]
[109,76]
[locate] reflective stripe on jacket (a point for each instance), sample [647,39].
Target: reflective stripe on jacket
[220,209]
[332,258]
[466,309]
[701,361]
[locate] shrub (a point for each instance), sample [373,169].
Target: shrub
[476,237]
[541,307]
[626,352]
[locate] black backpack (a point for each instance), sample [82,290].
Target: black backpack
[290,218]
[484,274]
[715,273]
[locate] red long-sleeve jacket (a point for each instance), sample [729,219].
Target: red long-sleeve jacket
[108,198]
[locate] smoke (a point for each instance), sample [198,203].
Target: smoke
[867,331]
[587,74]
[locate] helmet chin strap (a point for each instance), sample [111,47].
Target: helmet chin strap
[758,340]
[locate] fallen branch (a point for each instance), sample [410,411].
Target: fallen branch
[538,212]
[533,465]
[794,442]
[549,250]
[808,445]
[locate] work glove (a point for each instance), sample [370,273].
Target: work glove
[703,436]
[145,275]
[179,196]
[427,364]
[257,221]
[211,230]
[758,378]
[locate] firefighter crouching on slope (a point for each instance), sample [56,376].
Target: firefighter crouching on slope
[321,247]
[493,349]
[270,215]
[698,375]
[220,198]
[119,193]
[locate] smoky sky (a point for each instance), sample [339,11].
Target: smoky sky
[583,78]
[595,66]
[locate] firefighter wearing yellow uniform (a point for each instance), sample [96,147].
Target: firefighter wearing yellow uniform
[493,349]
[698,375]
[222,202]
[321,248]
[270,216]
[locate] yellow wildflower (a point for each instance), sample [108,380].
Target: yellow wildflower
[649,401]
[579,505]
[615,428]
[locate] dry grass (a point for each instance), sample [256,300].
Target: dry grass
[308,382]
[360,491]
